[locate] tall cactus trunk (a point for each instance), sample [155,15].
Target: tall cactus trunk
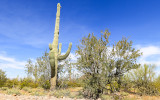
[55,54]
[53,76]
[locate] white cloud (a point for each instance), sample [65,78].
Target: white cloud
[10,62]
[150,50]
[151,55]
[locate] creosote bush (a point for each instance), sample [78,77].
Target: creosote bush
[28,82]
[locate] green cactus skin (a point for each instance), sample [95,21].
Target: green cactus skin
[55,54]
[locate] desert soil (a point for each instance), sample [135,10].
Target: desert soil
[26,97]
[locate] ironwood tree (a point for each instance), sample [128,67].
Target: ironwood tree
[102,63]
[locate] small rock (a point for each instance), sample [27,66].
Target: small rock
[14,95]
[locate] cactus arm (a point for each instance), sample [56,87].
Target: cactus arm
[61,57]
[60,46]
[50,46]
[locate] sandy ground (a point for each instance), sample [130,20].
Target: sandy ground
[25,97]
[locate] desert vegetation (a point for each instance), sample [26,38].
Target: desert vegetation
[107,71]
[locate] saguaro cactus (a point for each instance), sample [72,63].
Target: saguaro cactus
[55,53]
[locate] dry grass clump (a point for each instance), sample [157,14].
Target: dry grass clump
[4,88]
[13,91]
[60,93]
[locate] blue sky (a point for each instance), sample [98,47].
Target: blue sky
[27,27]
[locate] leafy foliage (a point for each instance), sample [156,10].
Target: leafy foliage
[28,82]
[125,58]
[12,83]
[40,70]
[92,63]
[3,78]
[102,64]
[144,79]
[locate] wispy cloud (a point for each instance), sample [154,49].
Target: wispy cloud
[151,55]
[10,62]
[150,50]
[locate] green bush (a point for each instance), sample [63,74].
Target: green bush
[62,84]
[60,93]
[106,97]
[4,88]
[37,93]
[124,94]
[27,89]
[3,78]
[28,82]
[113,86]
[73,84]
[157,83]
[12,83]
[148,88]
[13,91]
[9,83]
[46,85]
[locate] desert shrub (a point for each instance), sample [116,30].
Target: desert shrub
[92,91]
[78,95]
[157,83]
[62,84]
[124,94]
[4,88]
[114,85]
[40,88]
[130,98]
[106,97]
[9,83]
[61,93]
[13,91]
[3,78]
[100,65]
[73,84]
[37,93]
[27,89]
[28,82]
[148,89]
[127,83]
[117,97]
[144,80]
[12,83]
[46,85]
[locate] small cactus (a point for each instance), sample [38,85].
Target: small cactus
[55,53]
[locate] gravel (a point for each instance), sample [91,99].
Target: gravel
[26,97]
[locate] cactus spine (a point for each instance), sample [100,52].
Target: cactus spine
[55,53]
